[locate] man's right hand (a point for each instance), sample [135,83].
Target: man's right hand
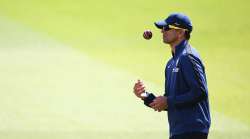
[139,88]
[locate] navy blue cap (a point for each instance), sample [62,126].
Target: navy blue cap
[176,19]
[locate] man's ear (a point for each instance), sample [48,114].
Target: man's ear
[181,32]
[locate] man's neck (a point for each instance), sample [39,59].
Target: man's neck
[174,44]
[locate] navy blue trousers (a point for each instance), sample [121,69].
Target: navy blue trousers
[191,135]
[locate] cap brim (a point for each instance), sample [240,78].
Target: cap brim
[160,24]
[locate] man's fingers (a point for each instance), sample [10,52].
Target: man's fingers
[139,85]
[139,89]
[139,94]
[152,104]
[159,110]
[155,106]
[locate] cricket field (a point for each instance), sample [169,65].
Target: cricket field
[68,67]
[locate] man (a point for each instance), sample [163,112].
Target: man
[186,93]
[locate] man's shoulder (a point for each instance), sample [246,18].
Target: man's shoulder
[190,56]
[189,50]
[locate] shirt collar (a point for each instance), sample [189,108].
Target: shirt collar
[179,48]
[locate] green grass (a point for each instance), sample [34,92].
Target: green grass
[111,32]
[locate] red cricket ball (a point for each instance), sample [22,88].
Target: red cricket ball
[147,34]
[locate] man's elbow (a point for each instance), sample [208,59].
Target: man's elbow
[201,94]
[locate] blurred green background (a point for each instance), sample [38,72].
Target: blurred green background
[109,34]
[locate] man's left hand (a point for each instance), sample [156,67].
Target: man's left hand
[159,104]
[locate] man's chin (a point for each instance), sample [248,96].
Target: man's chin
[165,41]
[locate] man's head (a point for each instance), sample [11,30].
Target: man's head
[175,27]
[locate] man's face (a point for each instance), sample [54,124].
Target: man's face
[169,35]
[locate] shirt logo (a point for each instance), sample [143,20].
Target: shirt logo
[175,70]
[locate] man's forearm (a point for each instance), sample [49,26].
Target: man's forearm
[188,99]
